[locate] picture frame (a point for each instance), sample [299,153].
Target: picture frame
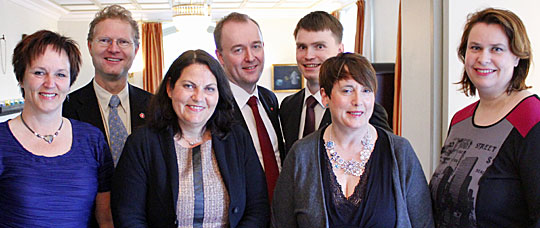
[286,78]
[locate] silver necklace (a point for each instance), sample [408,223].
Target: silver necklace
[351,167]
[48,138]
[191,143]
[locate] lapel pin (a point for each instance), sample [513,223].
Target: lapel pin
[271,108]
[141,115]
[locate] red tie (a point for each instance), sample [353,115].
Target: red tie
[309,126]
[270,165]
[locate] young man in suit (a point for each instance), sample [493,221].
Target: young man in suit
[113,41]
[240,49]
[318,37]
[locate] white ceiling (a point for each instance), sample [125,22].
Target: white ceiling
[161,10]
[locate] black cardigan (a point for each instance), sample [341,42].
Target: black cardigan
[145,184]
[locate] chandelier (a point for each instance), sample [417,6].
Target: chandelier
[191,8]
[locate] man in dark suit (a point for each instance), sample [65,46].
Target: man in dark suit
[240,49]
[318,37]
[113,41]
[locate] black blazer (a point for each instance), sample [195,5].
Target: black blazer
[82,105]
[291,111]
[145,183]
[271,106]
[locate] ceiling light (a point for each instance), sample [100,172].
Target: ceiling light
[191,8]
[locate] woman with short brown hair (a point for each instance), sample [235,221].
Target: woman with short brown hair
[488,174]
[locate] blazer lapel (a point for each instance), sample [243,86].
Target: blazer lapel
[297,103]
[88,111]
[137,107]
[169,156]
[238,116]
[219,146]
[271,109]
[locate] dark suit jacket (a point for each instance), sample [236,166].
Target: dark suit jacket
[271,106]
[145,183]
[291,111]
[82,105]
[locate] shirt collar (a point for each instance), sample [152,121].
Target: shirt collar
[241,96]
[317,97]
[105,96]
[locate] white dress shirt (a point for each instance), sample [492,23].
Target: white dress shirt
[104,97]
[241,97]
[319,111]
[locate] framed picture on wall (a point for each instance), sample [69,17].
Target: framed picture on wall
[286,78]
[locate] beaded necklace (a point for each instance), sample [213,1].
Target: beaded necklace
[47,138]
[351,167]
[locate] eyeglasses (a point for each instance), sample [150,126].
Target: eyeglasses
[106,42]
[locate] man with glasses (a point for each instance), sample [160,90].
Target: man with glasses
[109,102]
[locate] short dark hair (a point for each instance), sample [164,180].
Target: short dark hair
[517,38]
[33,46]
[344,66]
[161,112]
[234,16]
[114,12]
[319,21]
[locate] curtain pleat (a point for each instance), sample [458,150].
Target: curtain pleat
[397,81]
[359,40]
[152,45]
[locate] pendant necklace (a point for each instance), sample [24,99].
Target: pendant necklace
[351,167]
[48,138]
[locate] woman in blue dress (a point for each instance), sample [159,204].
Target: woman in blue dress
[54,172]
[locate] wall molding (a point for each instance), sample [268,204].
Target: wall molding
[44,7]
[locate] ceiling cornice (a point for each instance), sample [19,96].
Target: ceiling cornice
[65,10]
[45,7]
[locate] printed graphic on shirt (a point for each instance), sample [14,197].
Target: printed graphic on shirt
[466,155]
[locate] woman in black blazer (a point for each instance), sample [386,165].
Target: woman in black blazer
[190,166]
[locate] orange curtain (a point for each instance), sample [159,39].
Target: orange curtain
[152,47]
[336,14]
[397,81]
[359,43]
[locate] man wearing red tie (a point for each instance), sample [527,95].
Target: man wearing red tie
[240,49]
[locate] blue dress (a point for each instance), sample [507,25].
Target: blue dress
[38,191]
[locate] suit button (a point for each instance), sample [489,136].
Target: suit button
[235,210]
